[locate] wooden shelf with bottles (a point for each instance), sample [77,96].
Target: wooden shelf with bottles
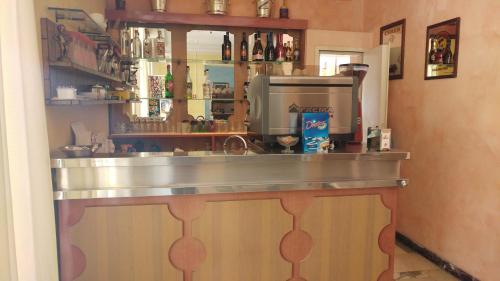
[155,18]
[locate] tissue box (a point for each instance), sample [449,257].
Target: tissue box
[315,138]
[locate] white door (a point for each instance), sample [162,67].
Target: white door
[375,88]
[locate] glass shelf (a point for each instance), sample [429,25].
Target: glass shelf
[186,99]
[216,62]
[56,102]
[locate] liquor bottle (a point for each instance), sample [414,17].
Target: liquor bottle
[433,52]
[189,84]
[280,49]
[169,83]
[284,10]
[136,46]
[227,48]
[289,51]
[296,52]
[244,48]
[448,55]
[159,51]
[148,46]
[223,49]
[207,86]
[270,52]
[125,39]
[258,51]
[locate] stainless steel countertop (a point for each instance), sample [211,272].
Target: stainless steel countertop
[163,174]
[168,158]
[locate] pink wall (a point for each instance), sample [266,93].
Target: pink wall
[452,128]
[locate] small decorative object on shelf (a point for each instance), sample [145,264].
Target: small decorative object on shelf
[63,40]
[158,5]
[217,7]
[120,4]
[244,48]
[169,84]
[156,86]
[264,8]
[284,10]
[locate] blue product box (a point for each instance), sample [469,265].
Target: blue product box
[315,138]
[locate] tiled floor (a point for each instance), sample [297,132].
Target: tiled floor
[411,266]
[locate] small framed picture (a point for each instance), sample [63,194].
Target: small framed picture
[441,53]
[394,35]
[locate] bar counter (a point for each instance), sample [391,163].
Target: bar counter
[211,216]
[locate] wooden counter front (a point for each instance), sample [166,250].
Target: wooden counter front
[322,235]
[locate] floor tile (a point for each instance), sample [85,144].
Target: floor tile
[441,275]
[412,262]
[400,251]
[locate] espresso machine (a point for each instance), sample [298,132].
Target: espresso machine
[277,102]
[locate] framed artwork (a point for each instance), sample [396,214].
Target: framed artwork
[441,52]
[394,35]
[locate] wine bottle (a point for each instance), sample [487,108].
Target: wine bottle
[270,52]
[258,51]
[227,48]
[448,55]
[169,83]
[280,49]
[244,48]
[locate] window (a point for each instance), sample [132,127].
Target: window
[329,61]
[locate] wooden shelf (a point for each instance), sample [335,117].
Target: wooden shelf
[175,135]
[146,17]
[70,66]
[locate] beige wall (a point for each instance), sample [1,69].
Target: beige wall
[452,129]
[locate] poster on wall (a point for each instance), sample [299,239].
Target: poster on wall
[394,35]
[441,53]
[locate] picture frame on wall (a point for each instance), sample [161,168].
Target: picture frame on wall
[441,52]
[394,35]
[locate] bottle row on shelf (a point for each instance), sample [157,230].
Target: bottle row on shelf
[154,49]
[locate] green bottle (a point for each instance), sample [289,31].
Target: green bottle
[169,84]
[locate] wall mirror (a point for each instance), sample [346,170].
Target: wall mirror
[210,76]
[149,71]
[442,50]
